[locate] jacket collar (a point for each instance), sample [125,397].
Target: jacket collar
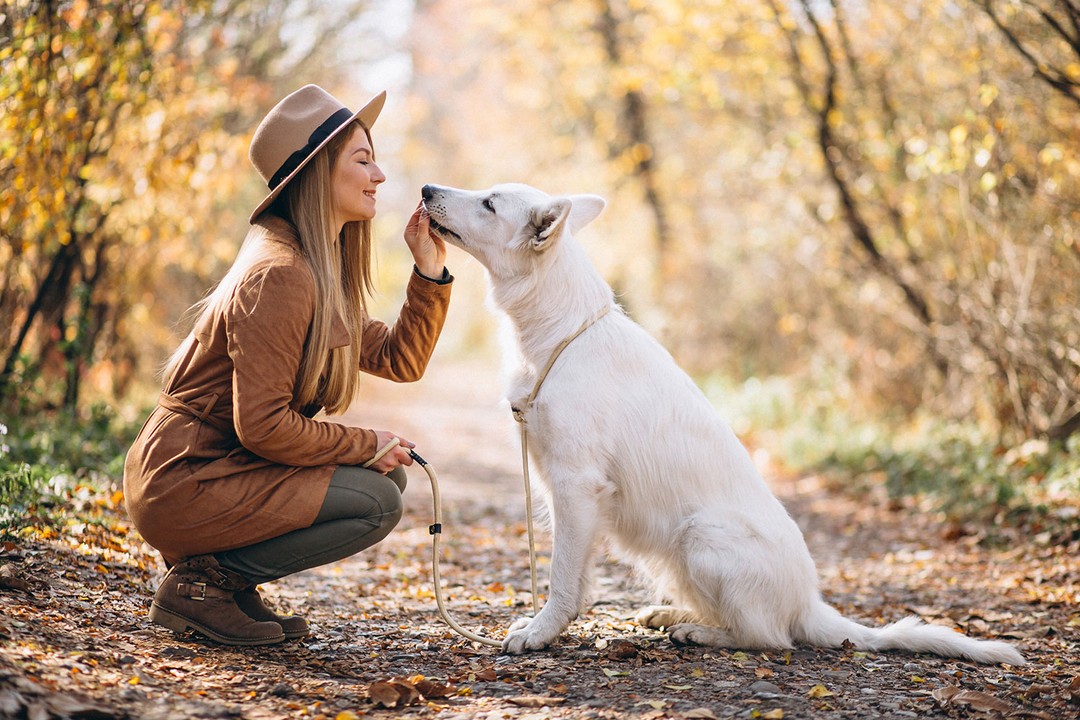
[279,229]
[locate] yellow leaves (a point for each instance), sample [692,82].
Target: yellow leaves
[820,691]
[1051,153]
[987,94]
[777,714]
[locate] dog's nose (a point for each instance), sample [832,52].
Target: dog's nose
[427,192]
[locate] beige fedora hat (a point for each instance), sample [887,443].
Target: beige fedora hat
[297,128]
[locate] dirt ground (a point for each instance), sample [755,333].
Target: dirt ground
[75,640]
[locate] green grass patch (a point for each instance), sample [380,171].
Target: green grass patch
[956,468]
[57,467]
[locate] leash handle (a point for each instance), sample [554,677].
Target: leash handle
[382,452]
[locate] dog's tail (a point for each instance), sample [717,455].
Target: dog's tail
[826,627]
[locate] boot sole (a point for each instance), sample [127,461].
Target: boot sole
[179,623]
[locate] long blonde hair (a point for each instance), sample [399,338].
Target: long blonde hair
[341,268]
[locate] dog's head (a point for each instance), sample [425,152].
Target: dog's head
[507,227]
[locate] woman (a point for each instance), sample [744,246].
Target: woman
[230,478]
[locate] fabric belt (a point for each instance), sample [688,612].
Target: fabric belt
[178,406]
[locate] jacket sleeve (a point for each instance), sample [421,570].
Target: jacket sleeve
[401,353]
[266,332]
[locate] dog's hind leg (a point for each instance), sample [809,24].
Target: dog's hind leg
[575,515]
[742,588]
[663,616]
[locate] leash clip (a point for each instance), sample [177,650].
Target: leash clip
[435,529]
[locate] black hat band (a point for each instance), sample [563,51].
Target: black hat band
[318,136]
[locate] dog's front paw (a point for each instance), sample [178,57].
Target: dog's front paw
[661,616]
[525,635]
[519,624]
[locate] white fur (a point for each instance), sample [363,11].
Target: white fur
[630,450]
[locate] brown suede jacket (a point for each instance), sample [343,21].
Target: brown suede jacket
[228,458]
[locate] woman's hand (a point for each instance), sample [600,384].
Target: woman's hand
[429,251]
[396,457]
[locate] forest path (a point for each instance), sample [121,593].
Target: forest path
[74,637]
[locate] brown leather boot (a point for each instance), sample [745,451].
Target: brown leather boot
[198,594]
[253,606]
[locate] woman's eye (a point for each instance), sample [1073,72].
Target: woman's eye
[488,205]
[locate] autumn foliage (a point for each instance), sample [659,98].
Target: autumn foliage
[884,196]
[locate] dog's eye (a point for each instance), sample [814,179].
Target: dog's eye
[488,205]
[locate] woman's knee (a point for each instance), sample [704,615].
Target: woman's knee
[356,492]
[399,477]
[388,494]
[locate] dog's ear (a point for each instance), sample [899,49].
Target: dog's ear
[585,210]
[547,223]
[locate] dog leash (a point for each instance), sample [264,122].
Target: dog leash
[435,529]
[519,415]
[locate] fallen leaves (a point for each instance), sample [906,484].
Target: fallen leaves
[621,650]
[379,647]
[974,699]
[14,578]
[400,692]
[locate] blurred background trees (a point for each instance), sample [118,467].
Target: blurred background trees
[877,202]
[122,157]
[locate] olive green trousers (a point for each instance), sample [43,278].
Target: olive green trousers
[361,507]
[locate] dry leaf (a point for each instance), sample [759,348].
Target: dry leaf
[430,689]
[535,701]
[763,672]
[621,650]
[384,694]
[976,700]
[777,714]
[615,673]
[407,692]
[700,713]
[820,691]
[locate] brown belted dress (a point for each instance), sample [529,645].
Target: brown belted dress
[228,458]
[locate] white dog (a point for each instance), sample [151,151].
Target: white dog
[630,449]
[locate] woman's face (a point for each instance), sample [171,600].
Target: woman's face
[354,180]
